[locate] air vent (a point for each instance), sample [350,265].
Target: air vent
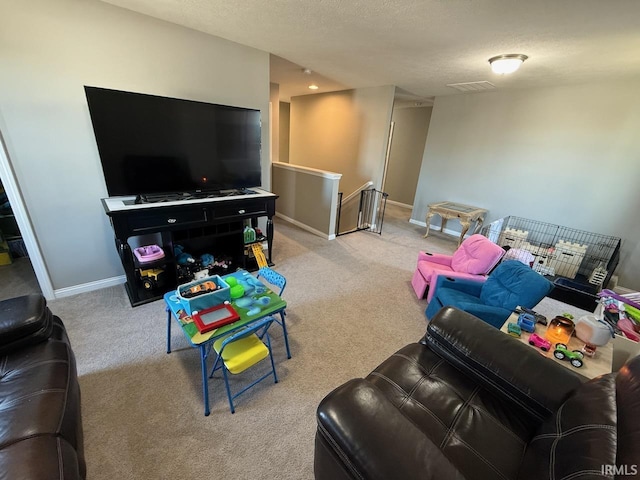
[472,86]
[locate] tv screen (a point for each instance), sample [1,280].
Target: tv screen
[157,145]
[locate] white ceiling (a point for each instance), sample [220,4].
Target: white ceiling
[421,45]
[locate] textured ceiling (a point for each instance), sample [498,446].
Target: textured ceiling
[421,45]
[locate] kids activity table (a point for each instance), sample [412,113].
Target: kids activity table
[254,290]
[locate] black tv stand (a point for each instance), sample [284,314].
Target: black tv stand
[202,224]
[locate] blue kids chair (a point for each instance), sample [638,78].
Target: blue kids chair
[510,285]
[277,280]
[240,350]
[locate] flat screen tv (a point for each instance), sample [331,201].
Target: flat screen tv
[151,145]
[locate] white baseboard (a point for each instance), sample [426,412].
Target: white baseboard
[436,228]
[403,205]
[306,227]
[89,287]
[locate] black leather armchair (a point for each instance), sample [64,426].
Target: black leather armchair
[40,420]
[469,402]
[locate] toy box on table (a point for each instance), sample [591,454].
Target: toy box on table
[204,293]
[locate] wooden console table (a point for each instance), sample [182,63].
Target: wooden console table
[465,213]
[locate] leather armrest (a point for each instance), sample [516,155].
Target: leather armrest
[499,362]
[439,258]
[24,321]
[373,439]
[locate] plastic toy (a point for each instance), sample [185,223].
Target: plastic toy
[182,258]
[539,317]
[148,253]
[261,260]
[150,277]
[538,341]
[514,330]
[206,259]
[563,353]
[214,317]
[527,322]
[249,235]
[199,289]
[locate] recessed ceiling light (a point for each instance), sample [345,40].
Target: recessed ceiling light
[509,63]
[313,86]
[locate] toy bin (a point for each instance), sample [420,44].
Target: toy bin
[512,237]
[568,258]
[205,300]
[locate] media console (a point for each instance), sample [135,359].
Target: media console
[213,224]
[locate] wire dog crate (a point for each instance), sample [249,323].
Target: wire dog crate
[580,263]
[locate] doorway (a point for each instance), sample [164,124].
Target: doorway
[411,125]
[22,268]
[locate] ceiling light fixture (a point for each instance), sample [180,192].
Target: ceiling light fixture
[313,86]
[509,63]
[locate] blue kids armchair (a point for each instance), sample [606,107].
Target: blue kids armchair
[511,284]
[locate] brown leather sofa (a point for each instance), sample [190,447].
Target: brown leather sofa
[469,402]
[40,420]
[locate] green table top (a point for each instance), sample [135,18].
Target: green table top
[248,307]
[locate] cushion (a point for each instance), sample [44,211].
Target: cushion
[477,255]
[511,284]
[579,439]
[462,300]
[24,321]
[454,413]
[40,393]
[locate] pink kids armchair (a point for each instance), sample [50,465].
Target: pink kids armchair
[475,257]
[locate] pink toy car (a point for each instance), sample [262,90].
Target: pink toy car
[538,341]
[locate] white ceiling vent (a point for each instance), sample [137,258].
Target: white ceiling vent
[472,86]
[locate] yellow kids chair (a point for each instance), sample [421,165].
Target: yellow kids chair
[240,350]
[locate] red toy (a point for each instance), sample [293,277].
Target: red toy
[215,317]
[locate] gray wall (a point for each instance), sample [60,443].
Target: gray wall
[307,197]
[564,155]
[285,112]
[344,132]
[49,49]
[405,156]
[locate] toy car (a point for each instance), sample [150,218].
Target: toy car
[538,341]
[563,353]
[200,289]
[514,330]
[527,322]
[151,277]
[538,316]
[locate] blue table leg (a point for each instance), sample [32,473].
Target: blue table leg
[286,336]
[205,379]
[168,330]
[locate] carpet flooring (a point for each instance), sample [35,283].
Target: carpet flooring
[350,305]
